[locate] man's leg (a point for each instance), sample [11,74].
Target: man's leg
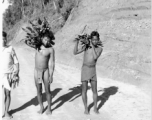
[95,95]
[5,98]
[7,102]
[39,94]
[47,91]
[84,96]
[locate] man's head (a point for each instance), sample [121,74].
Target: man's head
[47,39]
[95,37]
[4,39]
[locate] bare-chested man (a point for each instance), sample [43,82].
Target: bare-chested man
[88,71]
[44,68]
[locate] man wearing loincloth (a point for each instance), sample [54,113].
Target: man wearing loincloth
[10,72]
[44,68]
[40,37]
[88,71]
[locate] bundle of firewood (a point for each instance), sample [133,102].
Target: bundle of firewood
[85,40]
[34,33]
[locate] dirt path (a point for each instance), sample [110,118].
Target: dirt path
[117,101]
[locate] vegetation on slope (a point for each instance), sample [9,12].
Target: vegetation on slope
[56,11]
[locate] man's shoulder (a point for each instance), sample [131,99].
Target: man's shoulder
[51,49]
[100,48]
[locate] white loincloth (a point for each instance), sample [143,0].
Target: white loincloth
[7,81]
[8,61]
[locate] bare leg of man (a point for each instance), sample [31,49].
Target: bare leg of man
[47,91]
[7,103]
[39,95]
[95,95]
[84,96]
[5,97]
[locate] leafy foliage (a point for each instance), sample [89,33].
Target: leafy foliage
[65,7]
[36,31]
[32,9]
[85,40]
[12,15]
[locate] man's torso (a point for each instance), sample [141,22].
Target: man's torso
[42,58]
[88,56]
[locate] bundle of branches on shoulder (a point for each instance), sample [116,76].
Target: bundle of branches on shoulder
[85,40]
[35,32]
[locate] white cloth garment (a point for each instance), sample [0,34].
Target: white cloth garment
[8,60]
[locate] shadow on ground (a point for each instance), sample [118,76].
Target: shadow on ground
[74,93]
[105,96]
[34,101]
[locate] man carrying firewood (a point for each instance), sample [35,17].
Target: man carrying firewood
[40,37]
[92,50]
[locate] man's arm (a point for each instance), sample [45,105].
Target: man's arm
[76,51]
[51,65]
[97,53]
[16,62]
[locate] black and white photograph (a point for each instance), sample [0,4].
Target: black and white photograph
[76,59]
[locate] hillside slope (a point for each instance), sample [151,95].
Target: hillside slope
[124,27]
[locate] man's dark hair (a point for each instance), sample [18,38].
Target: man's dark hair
[95,33]
[48,34]
[4,34]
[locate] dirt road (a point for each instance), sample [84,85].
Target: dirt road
[117,101]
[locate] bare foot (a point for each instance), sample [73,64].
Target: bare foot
[48,112]
[41,111]
[86,112]
[96,111]
[8,115]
